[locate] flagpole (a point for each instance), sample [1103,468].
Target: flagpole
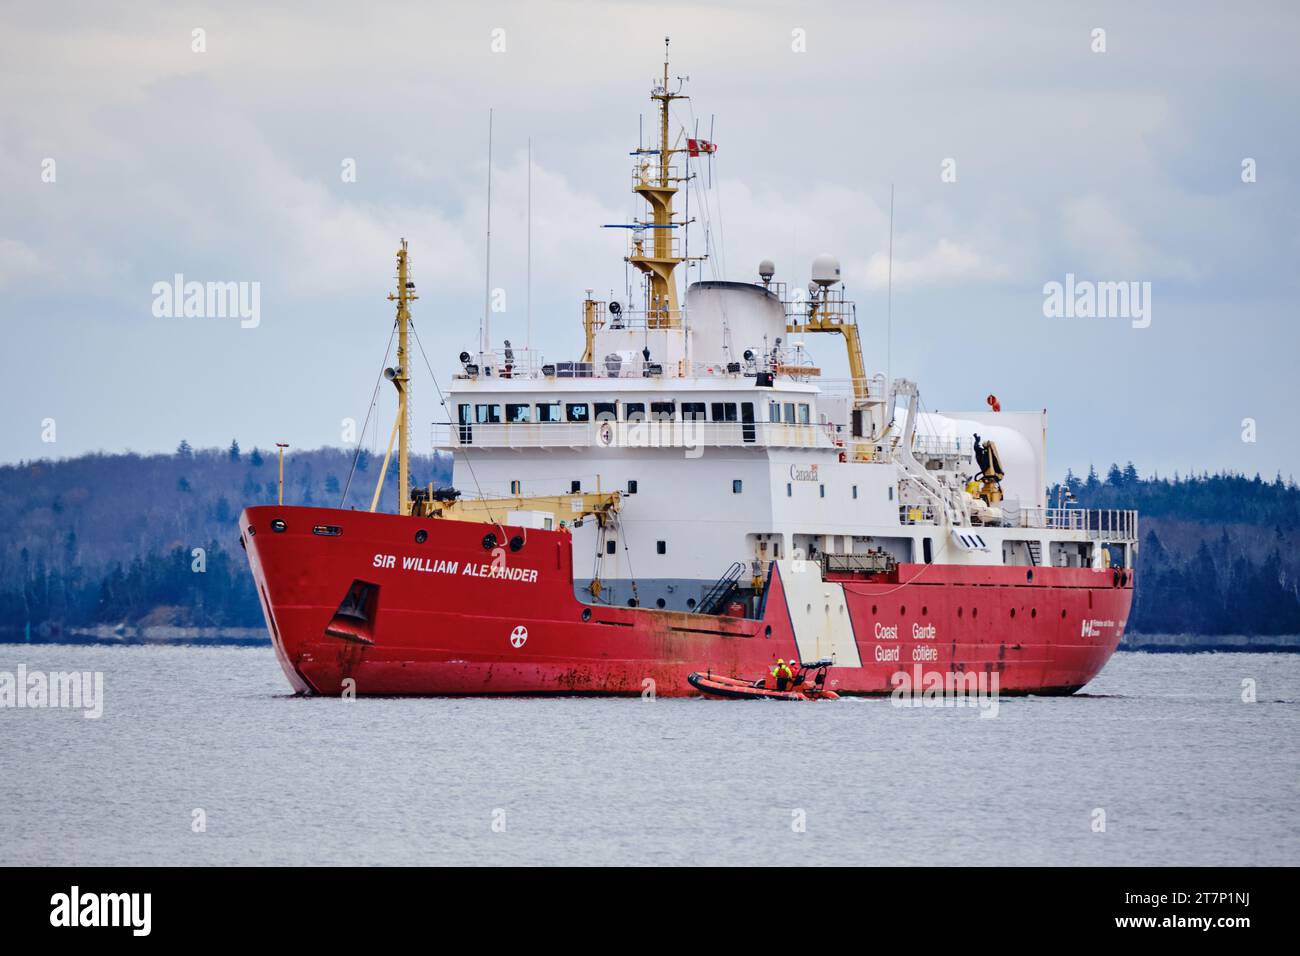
[486,342]
[528,335]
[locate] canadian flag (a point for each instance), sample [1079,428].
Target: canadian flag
[697,146]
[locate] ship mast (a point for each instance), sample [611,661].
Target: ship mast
[657,188]
[401,379]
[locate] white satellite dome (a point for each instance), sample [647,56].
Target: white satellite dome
[826,270]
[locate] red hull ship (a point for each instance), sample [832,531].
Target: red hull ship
[761,512]
[457,632]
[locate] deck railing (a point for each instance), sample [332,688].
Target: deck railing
[1113,524]
[1109,524]
[931,446]
[633,434]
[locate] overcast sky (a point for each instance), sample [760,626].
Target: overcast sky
[225,165]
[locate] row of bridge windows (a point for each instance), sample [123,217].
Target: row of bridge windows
[522,413]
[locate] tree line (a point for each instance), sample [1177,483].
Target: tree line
[152,539]
[1218,552]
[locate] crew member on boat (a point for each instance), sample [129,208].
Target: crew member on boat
[781,674]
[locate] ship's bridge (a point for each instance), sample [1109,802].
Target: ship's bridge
[611,412]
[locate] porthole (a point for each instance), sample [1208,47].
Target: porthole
[767,632]
[873,609]
[586,614]
[1013,612]
[516,543]
[631,602]
[690,603]
[902,610]
[489,541]
[421,536]
[1029,576]
[925,610]
[661,603]
[1033,612]
[278,525]
[1062,614]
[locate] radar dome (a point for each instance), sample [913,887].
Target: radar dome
[766,270]
[826,270]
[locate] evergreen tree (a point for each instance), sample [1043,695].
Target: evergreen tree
[234,450]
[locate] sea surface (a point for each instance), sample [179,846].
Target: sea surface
[1161,749]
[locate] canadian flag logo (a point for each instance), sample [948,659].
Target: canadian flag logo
[697,146]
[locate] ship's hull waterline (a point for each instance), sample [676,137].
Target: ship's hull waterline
[444,615]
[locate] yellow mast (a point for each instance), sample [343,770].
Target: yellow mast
[401,379]
[657,188]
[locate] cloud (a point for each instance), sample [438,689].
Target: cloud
[17,260]
[1106,240]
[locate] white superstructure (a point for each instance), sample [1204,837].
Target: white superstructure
[731,451]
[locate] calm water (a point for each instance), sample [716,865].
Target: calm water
[1185,772]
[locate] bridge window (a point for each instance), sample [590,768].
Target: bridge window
[631,486]
[805,413]
[575,487]
[578,412]
[663,411]
[661,547]
[548,412]
[634,411]
[519,414]
[692,411]
[737,486]
[774,412]
[724,411]
[789,413]
[605,411]
[488,414]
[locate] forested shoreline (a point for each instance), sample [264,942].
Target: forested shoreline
[143,542]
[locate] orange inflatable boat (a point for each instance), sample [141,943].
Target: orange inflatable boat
[735,688]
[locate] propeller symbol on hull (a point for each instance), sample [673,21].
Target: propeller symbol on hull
[518,636]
